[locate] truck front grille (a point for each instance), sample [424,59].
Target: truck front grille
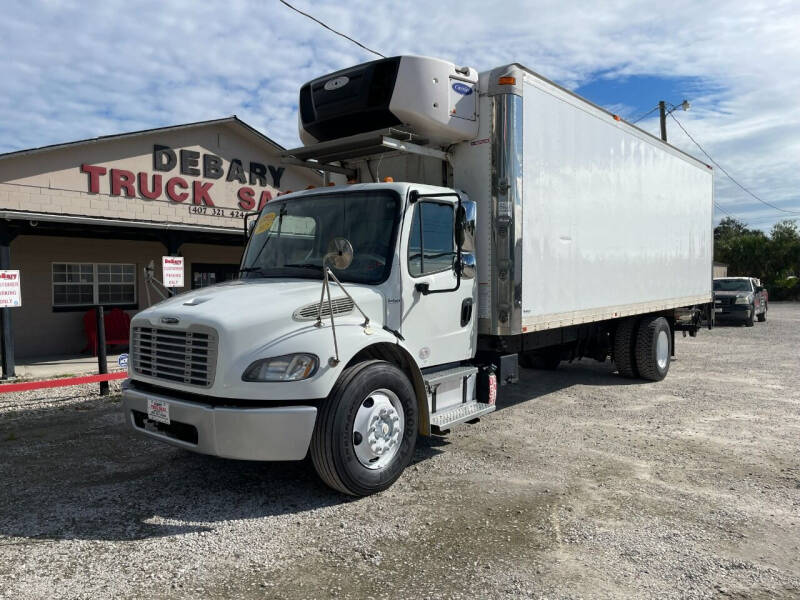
[184,356]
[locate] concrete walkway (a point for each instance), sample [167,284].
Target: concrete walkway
[48,367]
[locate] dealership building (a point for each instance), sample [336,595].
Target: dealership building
[82,220]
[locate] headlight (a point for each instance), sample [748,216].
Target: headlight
[743,299]
[290,367]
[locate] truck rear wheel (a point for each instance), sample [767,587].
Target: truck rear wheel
[366,429]
[763,316]
[653,350]
[624,342]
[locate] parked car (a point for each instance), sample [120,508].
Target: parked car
[739,299]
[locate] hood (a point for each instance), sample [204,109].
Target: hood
[242,304]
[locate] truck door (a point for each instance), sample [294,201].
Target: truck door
[438,327]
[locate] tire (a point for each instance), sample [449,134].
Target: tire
[653,348]
[624,341]
[364,392]
[763,316]
[749,322]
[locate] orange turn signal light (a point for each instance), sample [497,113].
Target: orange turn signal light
[388,179]
[507,81]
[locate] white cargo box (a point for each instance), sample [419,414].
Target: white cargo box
[584,217]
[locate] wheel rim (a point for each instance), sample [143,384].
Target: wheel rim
[662,350]
[378,429]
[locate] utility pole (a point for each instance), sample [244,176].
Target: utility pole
[662,113]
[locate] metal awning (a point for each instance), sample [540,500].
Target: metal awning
[375,143]
[23,215]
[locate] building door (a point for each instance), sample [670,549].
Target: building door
[205,274]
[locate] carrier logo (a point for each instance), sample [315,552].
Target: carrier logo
[170,320]
[462,88]
[336,83]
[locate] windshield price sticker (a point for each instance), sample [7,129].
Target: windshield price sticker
[264,223]
[10,292]
[172,267]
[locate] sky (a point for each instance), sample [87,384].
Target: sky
[72,70]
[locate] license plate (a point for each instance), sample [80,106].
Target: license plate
[158,410]
[717,310]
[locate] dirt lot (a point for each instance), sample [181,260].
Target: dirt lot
[583,485]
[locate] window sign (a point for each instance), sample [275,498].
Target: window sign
[172,267]
[10,293]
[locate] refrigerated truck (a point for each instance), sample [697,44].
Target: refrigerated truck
[490,220]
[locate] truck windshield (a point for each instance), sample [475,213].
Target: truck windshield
[291,236]
[732,285]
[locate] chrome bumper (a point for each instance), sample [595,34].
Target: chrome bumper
[281,433]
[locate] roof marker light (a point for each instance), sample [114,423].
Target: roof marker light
[507,81]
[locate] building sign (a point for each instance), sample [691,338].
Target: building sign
[10,292]
[172,268]
[167,180]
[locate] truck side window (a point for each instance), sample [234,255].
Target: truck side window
[431,245]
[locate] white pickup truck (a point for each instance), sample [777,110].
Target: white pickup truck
[530,227]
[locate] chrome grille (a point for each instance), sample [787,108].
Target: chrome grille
[341,306]
[183,356]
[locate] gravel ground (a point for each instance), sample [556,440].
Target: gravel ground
[583,485]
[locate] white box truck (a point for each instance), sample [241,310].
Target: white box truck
[491,220]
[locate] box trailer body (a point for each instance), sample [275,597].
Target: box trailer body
[590,218]
[489,220]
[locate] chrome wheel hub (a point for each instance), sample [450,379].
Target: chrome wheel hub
[662,350]
[378,429]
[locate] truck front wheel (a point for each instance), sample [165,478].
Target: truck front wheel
[366,429]
[653,348]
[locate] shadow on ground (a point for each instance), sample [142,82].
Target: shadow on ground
[77,473]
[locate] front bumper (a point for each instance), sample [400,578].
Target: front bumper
[280,433]
[732,312]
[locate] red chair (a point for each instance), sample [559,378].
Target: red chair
[117,325]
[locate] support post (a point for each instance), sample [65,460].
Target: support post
[102,363]
[6,330]
[662,114]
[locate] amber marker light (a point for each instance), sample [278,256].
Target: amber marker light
[507,81]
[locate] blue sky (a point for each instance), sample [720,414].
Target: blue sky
[76,69]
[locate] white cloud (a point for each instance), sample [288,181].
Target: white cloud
[73,69]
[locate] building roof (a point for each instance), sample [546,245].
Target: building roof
[232,121]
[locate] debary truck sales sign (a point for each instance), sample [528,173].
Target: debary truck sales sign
[205,168]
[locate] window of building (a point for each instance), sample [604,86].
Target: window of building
[431,246]
[87,284]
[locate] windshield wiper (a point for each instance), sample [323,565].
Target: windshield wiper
[253,270]
[303,266]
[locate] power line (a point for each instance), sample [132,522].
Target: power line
[651,111]
[347,37]
[791,212]
[723,210]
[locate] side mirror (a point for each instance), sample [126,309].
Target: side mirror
[340,254]
[465,225]
[467,266]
